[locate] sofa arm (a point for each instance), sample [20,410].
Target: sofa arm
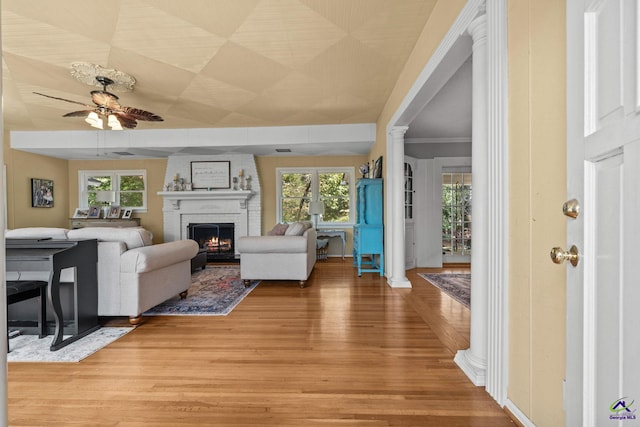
[150,258]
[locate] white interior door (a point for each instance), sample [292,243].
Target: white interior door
[603,172]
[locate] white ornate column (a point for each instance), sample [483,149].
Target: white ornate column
[473,361]
[398,274]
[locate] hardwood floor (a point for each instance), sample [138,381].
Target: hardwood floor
[344,350]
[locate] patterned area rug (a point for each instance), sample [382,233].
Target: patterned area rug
[30,348]
[214,291]
[457,286]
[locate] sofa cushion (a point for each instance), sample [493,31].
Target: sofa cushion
[278,230]
[295,229]
[272,244]
[133,237]
[37,233]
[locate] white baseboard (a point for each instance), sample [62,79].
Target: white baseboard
[520,416]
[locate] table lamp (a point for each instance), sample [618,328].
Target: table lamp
[315,209]
[106,198]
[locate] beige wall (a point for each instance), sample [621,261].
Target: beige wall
[537,190]
[267,170]
[152,219]
[21,167]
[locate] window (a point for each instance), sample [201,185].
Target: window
[129,186]
[456,213]
[297,187]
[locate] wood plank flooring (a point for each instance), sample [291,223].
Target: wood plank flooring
[344,350]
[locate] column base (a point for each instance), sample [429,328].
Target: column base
[399,283]
[474,368]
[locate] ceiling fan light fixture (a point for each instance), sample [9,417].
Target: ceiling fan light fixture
[113,122]
[94,120]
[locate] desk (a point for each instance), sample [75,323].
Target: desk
[334,233]
[51,257]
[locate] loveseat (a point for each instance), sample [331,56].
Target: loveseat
[134,275]
[288,252]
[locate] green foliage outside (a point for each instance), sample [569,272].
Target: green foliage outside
[297,193]
[131,190]
[334,193]
[456,217]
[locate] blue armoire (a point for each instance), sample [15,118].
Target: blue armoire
[368,232]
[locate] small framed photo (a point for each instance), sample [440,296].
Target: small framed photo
[81,213]
[377,168]
[114,212]
[126,213]
[94,211]
[41,193]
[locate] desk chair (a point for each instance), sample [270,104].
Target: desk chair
[22,290]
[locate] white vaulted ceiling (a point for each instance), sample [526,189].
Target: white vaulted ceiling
[210,63]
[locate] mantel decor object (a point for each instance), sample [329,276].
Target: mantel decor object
[209,175]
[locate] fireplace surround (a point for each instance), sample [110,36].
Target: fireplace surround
[242,208]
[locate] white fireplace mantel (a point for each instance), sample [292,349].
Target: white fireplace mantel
[175,197]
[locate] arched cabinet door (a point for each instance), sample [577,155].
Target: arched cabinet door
[409,204]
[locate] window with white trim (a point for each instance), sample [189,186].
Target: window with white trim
[129,187]
[298,187]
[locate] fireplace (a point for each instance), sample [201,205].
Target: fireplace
[217,239]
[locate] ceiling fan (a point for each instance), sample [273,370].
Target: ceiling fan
[107,107]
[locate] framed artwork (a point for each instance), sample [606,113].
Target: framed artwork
[126,213]
[377,168]
[114,212]
[41,193]
[208,175]
[81,213]
[94,211]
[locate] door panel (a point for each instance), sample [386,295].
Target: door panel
[603,129]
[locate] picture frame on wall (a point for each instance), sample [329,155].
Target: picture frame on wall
[377,168]
[41,193]
[209,175]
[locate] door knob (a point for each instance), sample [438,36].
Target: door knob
[559,256]
[571,208]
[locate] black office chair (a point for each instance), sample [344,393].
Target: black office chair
[22,290]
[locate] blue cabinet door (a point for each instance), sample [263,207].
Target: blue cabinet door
[368,233]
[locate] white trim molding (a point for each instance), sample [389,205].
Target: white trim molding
[493,327]
[498,274]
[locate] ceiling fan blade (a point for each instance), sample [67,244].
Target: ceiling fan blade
[137,114]
[126,122]
[105,99]
[62,99]
[81,113]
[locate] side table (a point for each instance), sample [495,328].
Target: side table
[334,233]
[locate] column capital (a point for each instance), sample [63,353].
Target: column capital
[398,131]
[478,29]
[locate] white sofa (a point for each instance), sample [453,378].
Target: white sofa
[278,257]
[133,274]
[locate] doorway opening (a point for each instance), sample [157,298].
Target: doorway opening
[456,217]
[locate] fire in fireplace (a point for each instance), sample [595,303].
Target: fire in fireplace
[217,239]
